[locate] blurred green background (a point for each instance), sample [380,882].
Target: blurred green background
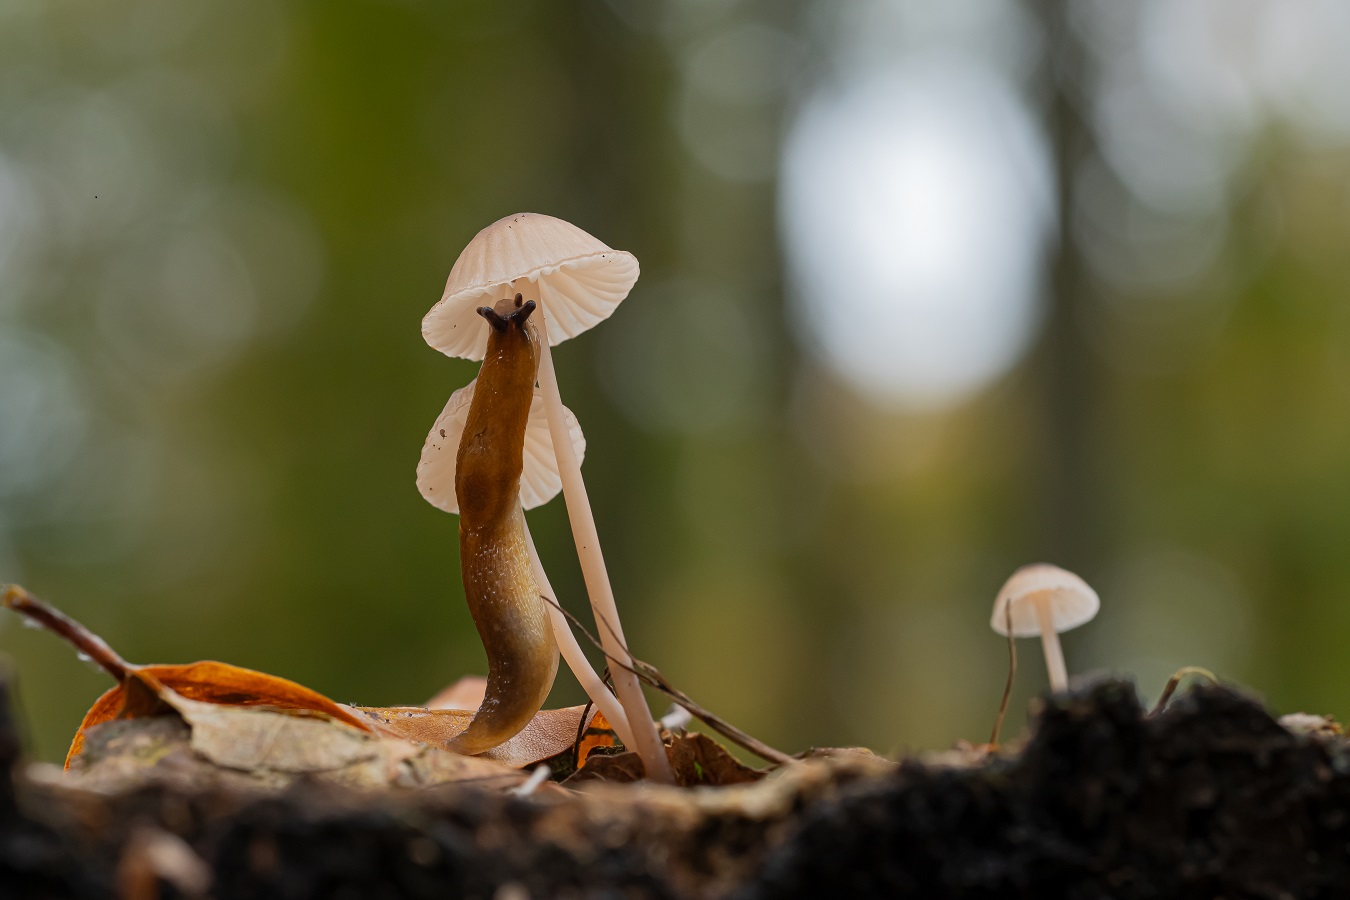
[929,291]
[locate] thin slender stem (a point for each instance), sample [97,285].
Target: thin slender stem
[1054,654]
[646,740]
[1012,675]
[573,654]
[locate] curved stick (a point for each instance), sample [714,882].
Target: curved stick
[1008,685]
[62,625]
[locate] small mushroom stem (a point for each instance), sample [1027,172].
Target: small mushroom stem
[646,740]
[1054,654]
[575,657]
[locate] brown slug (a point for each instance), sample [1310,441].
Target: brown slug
[503,595]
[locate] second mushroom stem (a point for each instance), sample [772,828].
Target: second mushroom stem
[572,653]
[1054,654]
[646,740]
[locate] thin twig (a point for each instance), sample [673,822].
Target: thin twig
[57,622]
[653,677]
[1175,681]
[1012,673]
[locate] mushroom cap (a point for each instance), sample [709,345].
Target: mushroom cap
[539,481]
[1072,601]
[581,281]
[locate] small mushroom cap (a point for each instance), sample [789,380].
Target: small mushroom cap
[539,481]
[1072,601]
[581,281]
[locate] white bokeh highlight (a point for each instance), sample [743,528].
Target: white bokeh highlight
[915,204]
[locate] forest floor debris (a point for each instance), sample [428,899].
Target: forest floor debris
[1213,797]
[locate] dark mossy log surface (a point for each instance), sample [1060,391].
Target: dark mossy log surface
[1213,798]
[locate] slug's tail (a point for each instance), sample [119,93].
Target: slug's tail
[514,626]
[506,710]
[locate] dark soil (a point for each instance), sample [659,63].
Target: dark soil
[1211,799]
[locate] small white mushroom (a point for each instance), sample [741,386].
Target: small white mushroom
[1046,600]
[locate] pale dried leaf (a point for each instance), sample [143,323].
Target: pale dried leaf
[265,748]
[467,693]
[550,732]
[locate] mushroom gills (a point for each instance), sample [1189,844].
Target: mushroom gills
[499,585]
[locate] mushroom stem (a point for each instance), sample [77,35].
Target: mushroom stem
[646,740]
[575,657]
[1054,654]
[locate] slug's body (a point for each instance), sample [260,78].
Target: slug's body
[503,596]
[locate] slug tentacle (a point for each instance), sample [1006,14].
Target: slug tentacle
[499,585]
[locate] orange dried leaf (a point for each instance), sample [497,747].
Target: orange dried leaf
[143,691]
[208,682]
[259,746]
[599,735]
[155,690]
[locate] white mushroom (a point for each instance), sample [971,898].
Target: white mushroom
[1046,600]
[577,281]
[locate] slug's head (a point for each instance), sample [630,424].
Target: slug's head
[509,311]
[511,316]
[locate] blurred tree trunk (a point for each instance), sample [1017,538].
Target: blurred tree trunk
[1071,531]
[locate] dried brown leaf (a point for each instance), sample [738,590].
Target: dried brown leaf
[209,682]
[696,759]
[271,748]
[297,729]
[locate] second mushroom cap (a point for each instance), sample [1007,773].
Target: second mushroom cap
[539,481]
